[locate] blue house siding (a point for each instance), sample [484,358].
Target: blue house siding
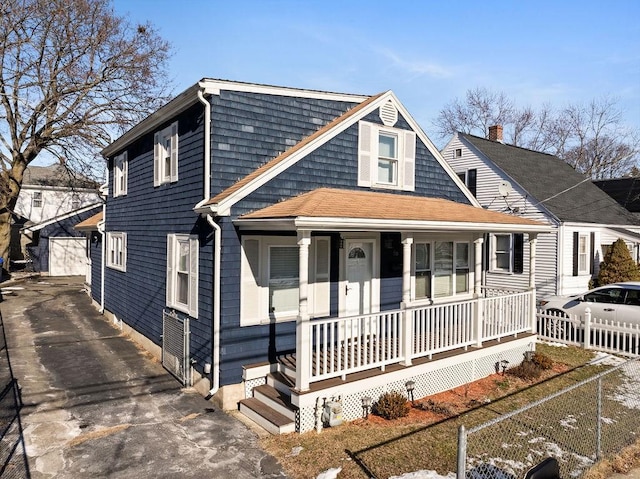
[61,229]
[95,252]
[249,129]
[148,214]
[332,165]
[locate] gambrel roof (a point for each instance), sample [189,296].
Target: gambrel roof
[553,184]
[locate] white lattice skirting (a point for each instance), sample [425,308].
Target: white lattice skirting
[430,378]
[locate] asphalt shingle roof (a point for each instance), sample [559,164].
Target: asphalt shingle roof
[626,191]
[567,194]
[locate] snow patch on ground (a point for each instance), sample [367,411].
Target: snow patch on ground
[606,359]
[424,474]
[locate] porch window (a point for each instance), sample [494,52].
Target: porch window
[283,279]
[182,273]
[462,267]
[423,270]
[270,278]
[443,273]
[507,253]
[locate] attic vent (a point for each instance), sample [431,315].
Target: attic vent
[389,114]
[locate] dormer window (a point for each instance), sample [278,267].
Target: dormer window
[386,157]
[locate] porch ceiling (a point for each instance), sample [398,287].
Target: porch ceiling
[344,210]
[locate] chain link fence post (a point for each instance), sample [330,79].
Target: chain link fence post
[462,453]
[599,424]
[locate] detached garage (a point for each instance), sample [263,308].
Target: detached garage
[56,247]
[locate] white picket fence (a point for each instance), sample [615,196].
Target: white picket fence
[590,332]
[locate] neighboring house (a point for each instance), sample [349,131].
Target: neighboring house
[528,184]
[286,246]
[57,248]
[47,192]
[626,191]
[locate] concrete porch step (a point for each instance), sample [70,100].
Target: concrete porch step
[266,417]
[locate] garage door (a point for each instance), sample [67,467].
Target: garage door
[67,256]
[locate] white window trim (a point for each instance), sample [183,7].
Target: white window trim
[120,174]
[432,245]
[173,241]
[368,156]
[583,237]
[493,267]
[169,133]
[254,291]
[113,240]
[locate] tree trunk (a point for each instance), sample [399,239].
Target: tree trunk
[5,239]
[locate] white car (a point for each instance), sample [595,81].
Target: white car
[614,302]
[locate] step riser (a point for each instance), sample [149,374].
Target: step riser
[262,422]
[274,405]
[279,385]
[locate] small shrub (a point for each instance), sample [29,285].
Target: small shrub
[618,265]
[527,371]
[542,360]
[391,405]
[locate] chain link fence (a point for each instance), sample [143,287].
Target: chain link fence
[578,426]
[13,457]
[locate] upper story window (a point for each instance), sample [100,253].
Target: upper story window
[75,202]
[117,251]
[470,179]
[386,157]
[120,173]
[457,153]
[182,273]
[165,155]
[36,200]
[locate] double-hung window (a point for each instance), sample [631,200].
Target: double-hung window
[165,155]
[470,179]
[441,269]
[386,157]
[117,250]
[270,271]
[182,273]
[120,173]
[507,253]
[36,200]
[583,252]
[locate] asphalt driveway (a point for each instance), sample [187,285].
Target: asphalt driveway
[95,405]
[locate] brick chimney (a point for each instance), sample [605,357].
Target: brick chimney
[495,133]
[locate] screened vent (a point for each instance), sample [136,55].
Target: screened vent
[389,114]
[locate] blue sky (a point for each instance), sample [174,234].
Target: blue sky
[427,52]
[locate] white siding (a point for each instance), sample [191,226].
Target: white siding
[55,202]
[517,203]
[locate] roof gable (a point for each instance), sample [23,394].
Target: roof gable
[626,191]
[552,183]
[223,201]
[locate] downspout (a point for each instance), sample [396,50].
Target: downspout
[215,326]
[102,260]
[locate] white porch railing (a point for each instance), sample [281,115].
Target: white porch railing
[341,346]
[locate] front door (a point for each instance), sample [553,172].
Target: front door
[359,273]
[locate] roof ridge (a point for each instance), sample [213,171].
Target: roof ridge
[514,146]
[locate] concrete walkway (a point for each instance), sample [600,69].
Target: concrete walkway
[98,406]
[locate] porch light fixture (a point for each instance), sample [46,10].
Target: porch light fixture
[366,406]
[410,385]
[504,364]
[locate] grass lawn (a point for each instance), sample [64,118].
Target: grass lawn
[427,438]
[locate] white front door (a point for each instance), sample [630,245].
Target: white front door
[359,273]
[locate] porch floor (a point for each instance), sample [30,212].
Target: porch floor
[288,360]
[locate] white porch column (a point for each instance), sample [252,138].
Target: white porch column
[477,271]
[407,323]
[533,243]
[303,334]
[477,290]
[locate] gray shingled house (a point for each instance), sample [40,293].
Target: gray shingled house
[585,221]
